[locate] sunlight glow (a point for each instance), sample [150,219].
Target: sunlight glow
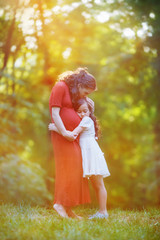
[100,2]
[85,1]
[1,12]
[128,33]
[18,62]
[76,4]
[152,15]
[13,48]
[39,24]
[47,20]
[56,9]
[47,13]
[146,30]
[65,9]
[2,88]
[67,53]
[116,27]
[103,16]
[31,42]
[146,49]
[25,2]
[26,21]
[86,15]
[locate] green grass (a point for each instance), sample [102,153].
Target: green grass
[38,223]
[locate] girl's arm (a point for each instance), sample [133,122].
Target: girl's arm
[75,132]
[59,124]
[85,123]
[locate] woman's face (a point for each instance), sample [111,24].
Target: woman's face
[84,92]
[83,110]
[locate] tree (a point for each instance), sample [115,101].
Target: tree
[108,38]
[149,11]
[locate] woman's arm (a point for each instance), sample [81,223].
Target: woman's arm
[75,132]
[60,126]
[52,127]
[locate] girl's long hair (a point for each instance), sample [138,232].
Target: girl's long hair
[92,116]
[74,79]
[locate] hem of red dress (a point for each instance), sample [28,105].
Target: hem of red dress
[73,204]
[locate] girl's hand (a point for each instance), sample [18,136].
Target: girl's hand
[69,136]
[51,127]
[75,135]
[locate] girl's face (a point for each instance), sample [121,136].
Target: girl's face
[83,110]
[83,92]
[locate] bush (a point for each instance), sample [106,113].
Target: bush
[22,181]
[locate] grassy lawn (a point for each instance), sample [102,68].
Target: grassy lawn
[38,223]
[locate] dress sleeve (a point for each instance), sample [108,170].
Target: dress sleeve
[57,94]
[86,122]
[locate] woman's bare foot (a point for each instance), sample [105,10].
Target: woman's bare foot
[72,214]
[60,210]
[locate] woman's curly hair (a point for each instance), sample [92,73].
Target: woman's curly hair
[74,79]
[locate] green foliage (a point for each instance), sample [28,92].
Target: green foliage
[22,181]
[25,222]
[65,36]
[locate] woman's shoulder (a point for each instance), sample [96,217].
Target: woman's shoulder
[60,84]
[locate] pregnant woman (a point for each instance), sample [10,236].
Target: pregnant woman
[71,189]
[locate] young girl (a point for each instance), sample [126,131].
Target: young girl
[94,164]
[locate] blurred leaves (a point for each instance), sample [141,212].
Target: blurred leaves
[22,181]
[118,42]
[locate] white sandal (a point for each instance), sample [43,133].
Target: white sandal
[99,215]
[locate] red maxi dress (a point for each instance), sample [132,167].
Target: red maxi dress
[71,188]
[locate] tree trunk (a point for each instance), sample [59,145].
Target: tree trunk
[44,47]
[157,137]
[7,46]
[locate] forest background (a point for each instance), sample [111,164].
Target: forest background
[118,41]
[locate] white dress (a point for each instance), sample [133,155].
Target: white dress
[93,159]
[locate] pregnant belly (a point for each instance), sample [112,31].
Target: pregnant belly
[70,118]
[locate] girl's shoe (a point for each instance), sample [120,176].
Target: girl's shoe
[99,215]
